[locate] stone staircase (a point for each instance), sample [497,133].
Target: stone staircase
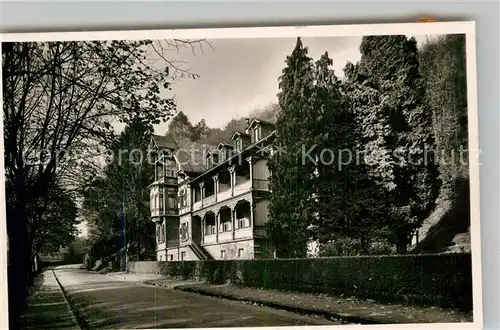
[200,252]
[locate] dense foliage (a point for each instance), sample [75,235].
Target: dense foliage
[116,205]
[375,139]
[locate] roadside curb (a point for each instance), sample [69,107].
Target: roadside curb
[148,282]
[345,318]
[165,285]
[73,316]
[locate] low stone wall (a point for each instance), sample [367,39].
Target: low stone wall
[143,267]
[436,279]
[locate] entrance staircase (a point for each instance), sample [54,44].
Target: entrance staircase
[200,252]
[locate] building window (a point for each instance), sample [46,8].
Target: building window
[256,134]
[240,253]
[243,223]
[184,231]
[160,200]
[183,256]
[239,144]
[170,257]
[209,160]
[223,254]
[159,172]
[215,159]
[171,202]
[226,226]
[210,229]
[182,198]
[170,168]
[160,230]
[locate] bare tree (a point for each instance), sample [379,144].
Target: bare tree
[60,101]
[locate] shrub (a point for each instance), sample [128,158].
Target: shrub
[437,279]
[341,247]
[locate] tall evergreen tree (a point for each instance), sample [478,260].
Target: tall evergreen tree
[397,135]
[345,206]
[290,209]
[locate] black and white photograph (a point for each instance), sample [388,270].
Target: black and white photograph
[242,177]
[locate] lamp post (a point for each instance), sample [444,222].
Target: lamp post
[124,234]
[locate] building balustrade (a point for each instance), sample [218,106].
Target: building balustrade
[223,195]
[197,205]
[209,200]
[239,188]
[212,238]
[242,187]
[243,232]
[261,184]
[226,236]
[162,212]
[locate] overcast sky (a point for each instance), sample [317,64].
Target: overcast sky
[240,75]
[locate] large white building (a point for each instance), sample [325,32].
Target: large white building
[211,202]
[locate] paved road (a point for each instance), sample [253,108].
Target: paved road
[105,302]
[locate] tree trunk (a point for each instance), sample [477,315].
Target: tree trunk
[19,270]
[402,245]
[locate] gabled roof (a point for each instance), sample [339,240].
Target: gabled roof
[163,142]
[191,156]
[263,122]
[224,144]
[239,134]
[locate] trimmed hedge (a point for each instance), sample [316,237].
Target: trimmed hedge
[432,279]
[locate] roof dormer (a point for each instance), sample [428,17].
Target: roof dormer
[240,141]
[259,129]
[253,128]
[224,151]
[213,158]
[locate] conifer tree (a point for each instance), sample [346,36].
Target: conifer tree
[396,132]
[290,210]
[345,206]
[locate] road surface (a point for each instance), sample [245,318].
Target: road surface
[104,302]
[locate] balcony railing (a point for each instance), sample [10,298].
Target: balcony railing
[170,181]
[226,236]
[260,184]
[209,200]
[212,238]
[243,232]
[197,205]
[223,195]
[241,187]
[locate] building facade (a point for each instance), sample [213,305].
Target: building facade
[211,202]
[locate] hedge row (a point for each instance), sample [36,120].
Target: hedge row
[436,279]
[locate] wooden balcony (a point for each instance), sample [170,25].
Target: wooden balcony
[260,184]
